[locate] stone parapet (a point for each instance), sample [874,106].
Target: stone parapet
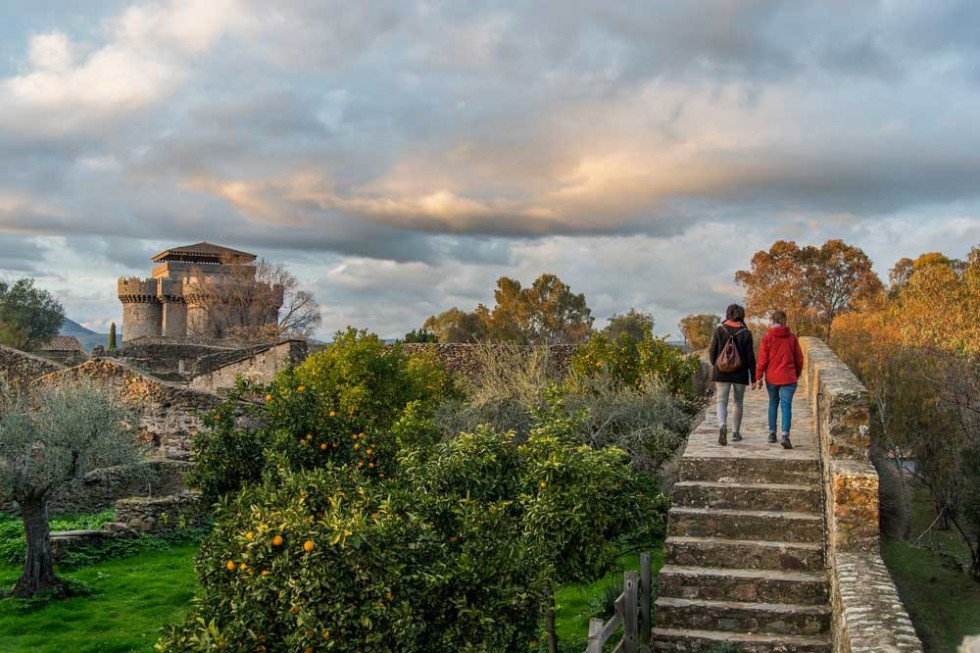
[258,364]
[136,290]
[867,614]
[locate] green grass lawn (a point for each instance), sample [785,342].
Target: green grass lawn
[944,604]
[576,604]
[132,599]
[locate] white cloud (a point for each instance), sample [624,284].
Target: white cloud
[51,51]
[141,63]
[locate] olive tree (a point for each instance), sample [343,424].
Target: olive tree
[29,316]
[48,442]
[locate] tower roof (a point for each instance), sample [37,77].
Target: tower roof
[204,252]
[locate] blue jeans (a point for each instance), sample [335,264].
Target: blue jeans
[781,396]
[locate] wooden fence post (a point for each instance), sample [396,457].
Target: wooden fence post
[630,583]
[595,629]
[646,595]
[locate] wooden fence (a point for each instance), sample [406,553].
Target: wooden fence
[632,610]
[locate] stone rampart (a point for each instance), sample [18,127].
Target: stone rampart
[868,614]
[169,414]
[259,365]
[19,369]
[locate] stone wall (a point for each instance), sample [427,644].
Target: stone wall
[103,487]
[868,614]
[169,414]
[19,369]
[259,365]
[167,358]
[162,514]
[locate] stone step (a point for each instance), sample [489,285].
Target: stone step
[748,585]
[714,469]
[743,554]
[745,524]
[748,496]
[705,641]
[738,617]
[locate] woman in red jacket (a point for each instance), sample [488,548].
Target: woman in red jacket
[780,364]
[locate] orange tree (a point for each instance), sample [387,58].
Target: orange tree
[338,406]
[629,362]
[456,550]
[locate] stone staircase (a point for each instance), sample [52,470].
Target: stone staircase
[745,547]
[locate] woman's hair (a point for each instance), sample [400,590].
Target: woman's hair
[735,313]
[779,317]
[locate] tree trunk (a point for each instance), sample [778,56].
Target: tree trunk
[549,625]
[38,562]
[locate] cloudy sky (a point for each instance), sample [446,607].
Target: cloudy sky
[401,155]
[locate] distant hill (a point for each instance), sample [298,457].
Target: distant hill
[87,337]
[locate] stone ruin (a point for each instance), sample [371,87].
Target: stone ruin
[171,384]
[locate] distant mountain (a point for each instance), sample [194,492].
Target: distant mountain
[87,337]
[73,328]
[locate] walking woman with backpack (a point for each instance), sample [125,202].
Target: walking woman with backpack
[732,358]
[780,364]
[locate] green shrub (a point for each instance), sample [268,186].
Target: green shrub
[506,387]
[340,407]
[512,387]
[362,379]
[647,422]
[631,363]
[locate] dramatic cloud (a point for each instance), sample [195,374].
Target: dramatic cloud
[402,155]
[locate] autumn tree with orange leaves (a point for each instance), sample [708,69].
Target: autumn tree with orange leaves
[917,349]
[812,284]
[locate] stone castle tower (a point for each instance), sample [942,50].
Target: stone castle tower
[198,291]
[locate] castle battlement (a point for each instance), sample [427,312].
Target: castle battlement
[134,289]
[201,290]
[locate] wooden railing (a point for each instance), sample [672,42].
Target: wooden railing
[632,610]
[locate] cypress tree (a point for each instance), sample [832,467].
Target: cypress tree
[112,337]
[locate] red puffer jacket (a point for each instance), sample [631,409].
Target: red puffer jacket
[780,357]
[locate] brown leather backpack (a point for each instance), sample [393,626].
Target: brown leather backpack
[729,360]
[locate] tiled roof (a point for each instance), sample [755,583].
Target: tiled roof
[204,250]
[63,343]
